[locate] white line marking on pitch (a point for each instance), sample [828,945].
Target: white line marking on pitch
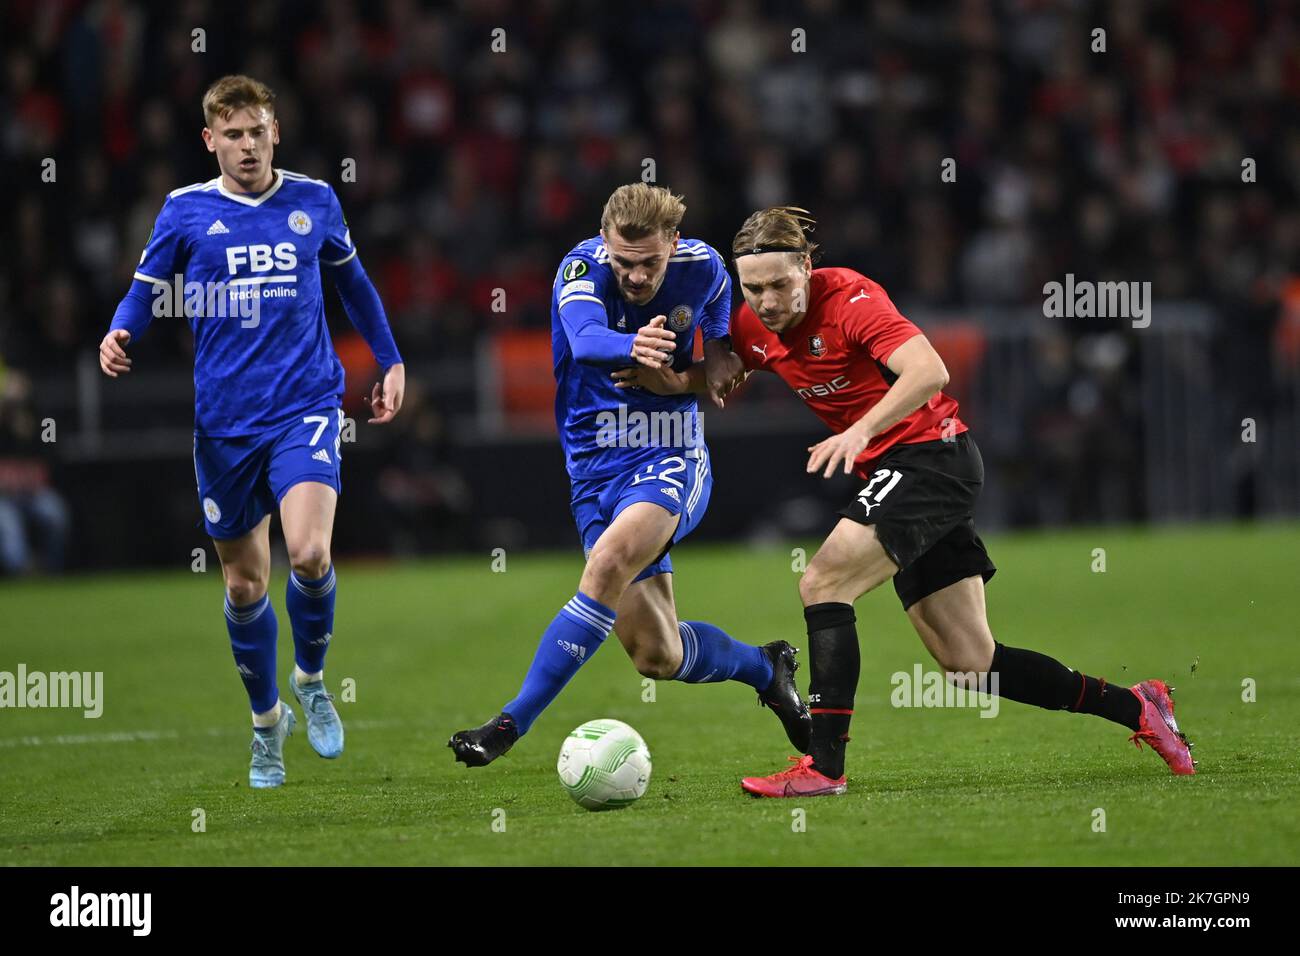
[136,736]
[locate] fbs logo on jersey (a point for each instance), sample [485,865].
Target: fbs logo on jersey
[575,270]
[211,511]
[576,651]
[300,222]
[679,319]
[816,346]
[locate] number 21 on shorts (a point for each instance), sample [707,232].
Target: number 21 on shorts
[891,478]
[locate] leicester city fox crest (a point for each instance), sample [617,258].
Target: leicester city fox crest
[679,319]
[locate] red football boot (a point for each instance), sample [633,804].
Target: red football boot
[801,780]
[1159,729]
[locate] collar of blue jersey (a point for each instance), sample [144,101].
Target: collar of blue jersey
[248,200]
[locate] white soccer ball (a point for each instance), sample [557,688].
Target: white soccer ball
[604,765]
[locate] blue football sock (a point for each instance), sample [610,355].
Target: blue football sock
[709,655]
[311,614]
[252,638]
[575,634]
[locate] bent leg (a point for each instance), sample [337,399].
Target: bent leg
[694,652]
[636,537]
[953,625]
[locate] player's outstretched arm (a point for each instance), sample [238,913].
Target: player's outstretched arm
[664,381]
[921,374]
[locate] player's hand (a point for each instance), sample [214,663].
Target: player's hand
[388,403]
[112,353]
[653,345]
[723,375]
[661,381]
[846,446]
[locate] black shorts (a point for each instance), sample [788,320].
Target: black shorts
[921,499]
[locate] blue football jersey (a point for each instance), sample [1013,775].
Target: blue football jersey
[254,368]
[696,292]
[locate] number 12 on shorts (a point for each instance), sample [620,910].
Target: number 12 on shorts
[864,495]
[676,465]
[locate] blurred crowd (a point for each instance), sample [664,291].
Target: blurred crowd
[478,169]
[480,157]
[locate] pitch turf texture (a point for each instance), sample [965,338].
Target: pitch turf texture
[437,646]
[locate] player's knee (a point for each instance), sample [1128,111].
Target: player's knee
[311,560]
[817,585]
[244,589]
[964,659]
[607,567]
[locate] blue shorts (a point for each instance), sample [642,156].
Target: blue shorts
[679,482]
[242,480]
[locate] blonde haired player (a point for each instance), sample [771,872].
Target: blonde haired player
[252,244]
[634,296]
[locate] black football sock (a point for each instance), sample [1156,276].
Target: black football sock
[1033,678]
[835,663]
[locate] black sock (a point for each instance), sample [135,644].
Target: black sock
[835,663]
[1033,678]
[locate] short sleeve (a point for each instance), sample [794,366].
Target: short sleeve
[164,252]
[871,321]
[337,247]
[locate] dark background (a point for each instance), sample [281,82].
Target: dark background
[477,170]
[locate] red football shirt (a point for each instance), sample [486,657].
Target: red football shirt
[835,359]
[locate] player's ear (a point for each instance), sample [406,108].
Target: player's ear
[208,140]
[275,132]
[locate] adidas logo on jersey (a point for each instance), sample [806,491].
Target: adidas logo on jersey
[576,651]
[218,228]
[322,455]
[672,493]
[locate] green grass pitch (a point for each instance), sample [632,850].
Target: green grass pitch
[436,646]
